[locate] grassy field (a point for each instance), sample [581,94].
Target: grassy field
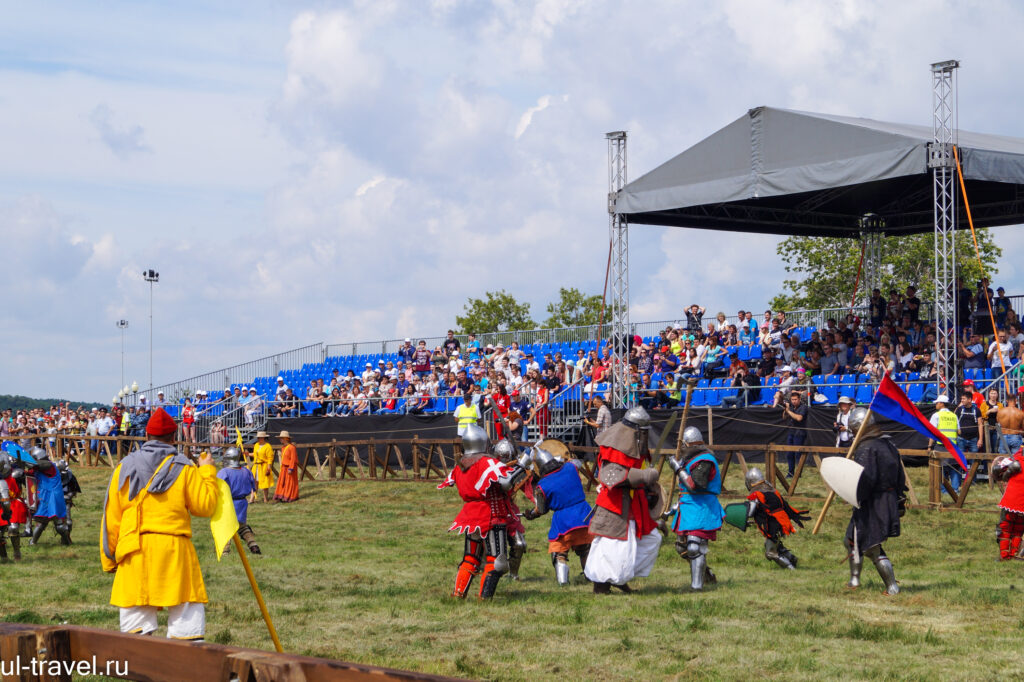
[361,571]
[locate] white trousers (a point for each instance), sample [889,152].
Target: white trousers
[184,621]
[619,561]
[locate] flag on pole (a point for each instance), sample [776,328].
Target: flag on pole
[238,441]
[891,402]
[224,523]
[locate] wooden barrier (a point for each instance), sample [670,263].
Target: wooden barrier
[59,651]
[384,459]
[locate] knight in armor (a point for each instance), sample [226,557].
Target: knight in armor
[697,516]
[773,517]
[560,491]
[50,505]
[629,500]
[1011,506]
[509,454]
[880,494]
[69,484]
[487,517]
[242,484]
[13,510]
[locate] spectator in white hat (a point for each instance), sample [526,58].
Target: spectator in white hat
[281,388]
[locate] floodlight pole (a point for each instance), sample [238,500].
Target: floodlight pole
[942,163]
[618,234]
[122,325]
[152,277]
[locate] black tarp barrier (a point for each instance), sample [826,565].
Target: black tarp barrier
[740,426]
[381,427]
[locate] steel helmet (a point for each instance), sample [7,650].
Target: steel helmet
[753,477]
[637,418]
[474,440]
[692,436]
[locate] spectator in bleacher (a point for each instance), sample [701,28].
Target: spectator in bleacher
[456,363]
[451,343]
[989,412]
[721,325]
[786,383]
[787,326]
[288,405]
[407,351]
[973,353]
[968,390]
[795,420]
[737,373]
[694,314]
[876,308]
[886,360]
[421,360]
[473,347]
[1001,347]
[873,366]
[438,359]
[970,437]
[647,394]
[188,422]
[1015,337]
[361,401]
[811,362]
[831,363]
[515,355]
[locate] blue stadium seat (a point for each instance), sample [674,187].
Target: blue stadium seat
[831,392]
[864,394]
[915,392]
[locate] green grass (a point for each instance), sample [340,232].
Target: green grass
[361,571]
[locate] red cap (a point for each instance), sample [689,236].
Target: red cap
[968,383]
[161,423]
[1020,389]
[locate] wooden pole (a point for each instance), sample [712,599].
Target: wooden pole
[849,455]
[690,384]
[256,591]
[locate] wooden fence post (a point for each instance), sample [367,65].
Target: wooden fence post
[334,459]
[416,456]
[371,452]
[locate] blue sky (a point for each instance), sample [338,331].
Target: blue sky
[344,171]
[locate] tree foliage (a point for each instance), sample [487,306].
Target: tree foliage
[21,402]
[825,269]
[573,309]
[497,312]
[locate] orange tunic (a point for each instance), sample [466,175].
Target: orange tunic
[288,481]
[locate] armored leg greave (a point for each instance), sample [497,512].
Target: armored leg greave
[41,525]
[1008,532]
[469,567]
[515,554]
[855,563]
[3,547]
[16,541]
[63,529]
[697,555]
[884,568]
[246,534]
[496,545]
[561,563]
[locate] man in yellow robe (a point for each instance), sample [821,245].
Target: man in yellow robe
[263,466]
[146,534]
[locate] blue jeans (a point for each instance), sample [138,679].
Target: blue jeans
[794,437]
[1010,444]
[956,475]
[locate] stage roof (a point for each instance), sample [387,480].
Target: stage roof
[777,171]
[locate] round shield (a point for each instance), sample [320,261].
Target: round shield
[842,475]
[556,448]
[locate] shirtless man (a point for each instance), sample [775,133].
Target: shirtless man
[1011,420]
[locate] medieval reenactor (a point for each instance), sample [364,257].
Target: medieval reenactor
[484,483]
[242,484]
[773,517]
[13,512]
[629,500]
[508,453]
[1011,507]
[698,513]
[880,496]
[50,505]
[69,484]
[560,491]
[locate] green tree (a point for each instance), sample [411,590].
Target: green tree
[573,309]
[498,312]
[825,269]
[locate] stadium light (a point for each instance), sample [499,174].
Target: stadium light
[122,325]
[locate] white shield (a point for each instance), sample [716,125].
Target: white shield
[842,475]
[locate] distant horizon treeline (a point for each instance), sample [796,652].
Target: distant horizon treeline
[23,402]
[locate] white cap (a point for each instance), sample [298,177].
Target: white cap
[280,378]
[159,392]
[942,399]
[369,365]
[408,340]
[142,397]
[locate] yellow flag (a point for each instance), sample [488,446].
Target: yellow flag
[238,441]
[224,522]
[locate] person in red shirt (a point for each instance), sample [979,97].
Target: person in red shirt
[976,397]
[1011,506]
[501,399]
[421,360]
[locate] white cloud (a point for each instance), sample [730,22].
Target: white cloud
[527,117]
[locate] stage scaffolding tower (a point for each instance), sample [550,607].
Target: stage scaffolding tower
[943,165]
[618,234]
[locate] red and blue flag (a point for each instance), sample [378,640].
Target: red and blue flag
[892,403]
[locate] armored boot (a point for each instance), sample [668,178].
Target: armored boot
[789,555]
[469,567]
[855,563]
[64,531]
[245,532]
[16,546]
[561,563]
[774,551]
[696,552]
[38,531]
[3,549]
[698,567]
